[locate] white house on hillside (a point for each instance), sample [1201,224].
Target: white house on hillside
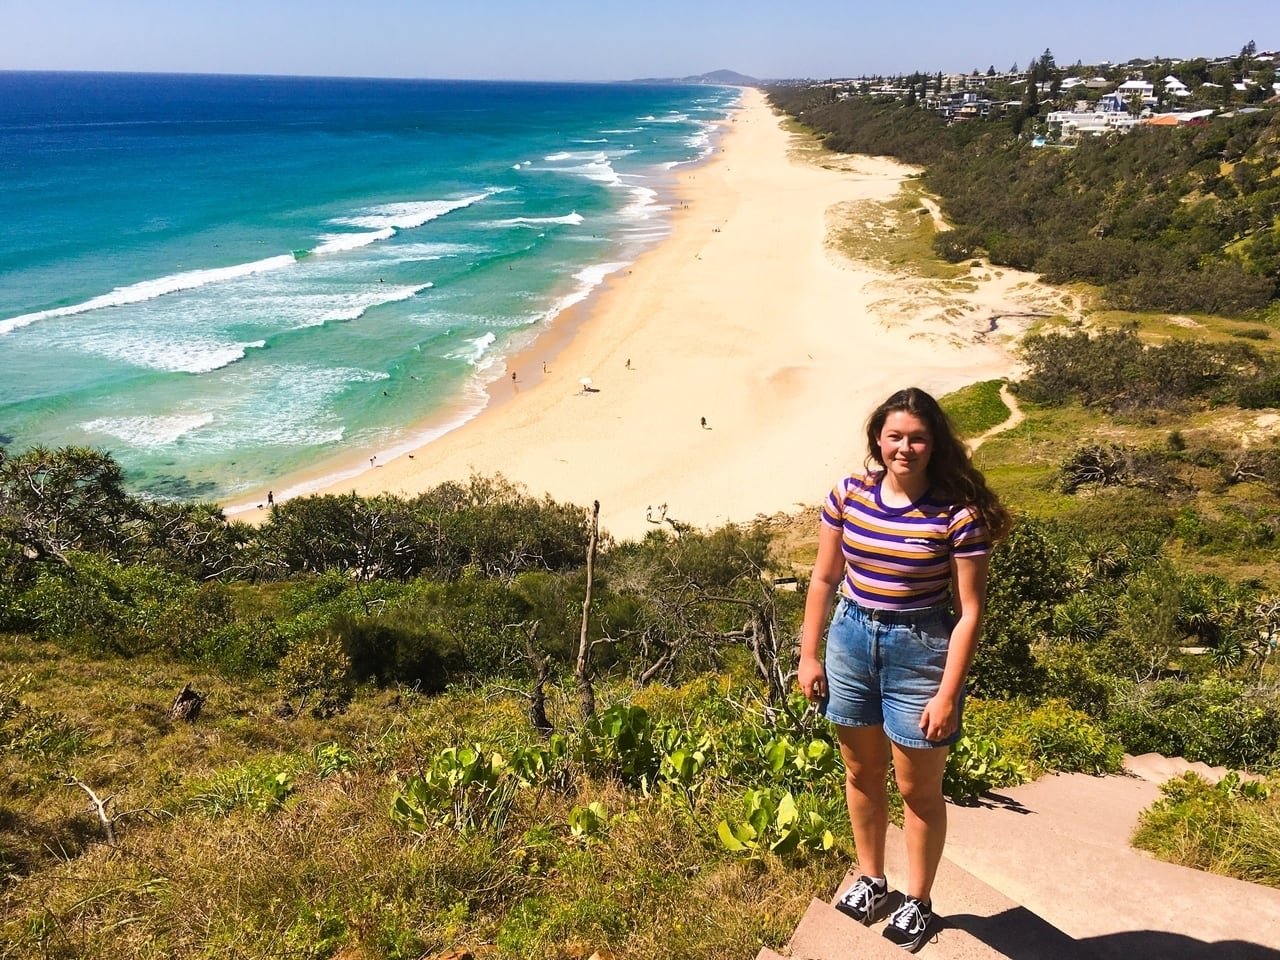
[1072,124]
[1143,87]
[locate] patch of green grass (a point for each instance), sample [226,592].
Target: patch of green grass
[896,236]
[1231,828]
[977,408]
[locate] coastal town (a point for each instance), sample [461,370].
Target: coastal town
[1065,104]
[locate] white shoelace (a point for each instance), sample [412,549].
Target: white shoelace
[908,918]
[860,896]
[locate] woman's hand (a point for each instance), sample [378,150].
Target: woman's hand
[813,678]
[938,719]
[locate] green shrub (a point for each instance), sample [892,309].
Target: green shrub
[317,673]
[977,765]
[260,786]
[1231,828]
[1027,578]
[106,607]
[243,648]
[1216,720]
[1052,736]
[956,245]
[32,734]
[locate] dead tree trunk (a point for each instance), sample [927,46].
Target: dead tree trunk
[586,692]
[541,673]
[187,704]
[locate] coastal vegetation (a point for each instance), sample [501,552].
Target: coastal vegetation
[1176,219]
[391,726]
[391,753]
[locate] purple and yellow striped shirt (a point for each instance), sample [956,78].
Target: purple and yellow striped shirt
[899,558]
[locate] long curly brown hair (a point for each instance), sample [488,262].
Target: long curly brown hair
[951,470]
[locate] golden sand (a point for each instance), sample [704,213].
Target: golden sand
[731,367]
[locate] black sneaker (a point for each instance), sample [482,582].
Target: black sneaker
[864,901]
[908,926]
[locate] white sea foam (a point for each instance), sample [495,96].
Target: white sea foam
[588,279]
[572,219]
[599,170]
[643,199]
[403,252]
[408,215]
[173,355]
[339,242]
[476,349]
[300,402]
[316,310]
[474,401]
[149,432]
[151,289]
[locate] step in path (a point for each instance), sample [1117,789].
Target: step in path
[1045,870]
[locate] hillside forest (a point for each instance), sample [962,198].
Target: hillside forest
[1176,219]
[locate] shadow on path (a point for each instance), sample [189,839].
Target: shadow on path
[1021,935]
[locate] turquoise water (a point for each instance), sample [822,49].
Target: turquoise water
[224,280]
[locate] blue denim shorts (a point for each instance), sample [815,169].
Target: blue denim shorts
[883,667]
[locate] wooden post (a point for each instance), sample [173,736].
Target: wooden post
[586,693]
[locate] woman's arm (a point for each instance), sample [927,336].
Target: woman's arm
[828,571]
[969,593]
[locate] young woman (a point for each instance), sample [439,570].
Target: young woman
[906,547]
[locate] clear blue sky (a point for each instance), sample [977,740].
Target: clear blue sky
[609,40]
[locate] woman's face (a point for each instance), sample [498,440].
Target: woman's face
[905,446]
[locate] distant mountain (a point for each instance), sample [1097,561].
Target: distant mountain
[720,77]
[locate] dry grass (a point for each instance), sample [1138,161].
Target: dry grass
[327,870]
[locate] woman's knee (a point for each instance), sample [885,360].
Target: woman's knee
[919,777]
[921,795]
[866,774]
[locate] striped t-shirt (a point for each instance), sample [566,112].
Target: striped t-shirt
[899,558]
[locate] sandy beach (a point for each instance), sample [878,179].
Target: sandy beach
[731,368]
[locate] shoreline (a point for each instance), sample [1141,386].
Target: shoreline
[341,473]
[731,366]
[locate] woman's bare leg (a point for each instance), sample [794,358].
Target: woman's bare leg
[924,814]
[866,763]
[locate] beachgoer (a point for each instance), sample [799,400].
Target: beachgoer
[905,544]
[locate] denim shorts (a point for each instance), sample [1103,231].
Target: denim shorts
[884,666]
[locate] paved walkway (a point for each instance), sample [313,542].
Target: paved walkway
[1045,870]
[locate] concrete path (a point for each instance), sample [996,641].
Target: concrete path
[1045,870]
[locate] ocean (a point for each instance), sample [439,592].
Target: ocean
[225,280]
